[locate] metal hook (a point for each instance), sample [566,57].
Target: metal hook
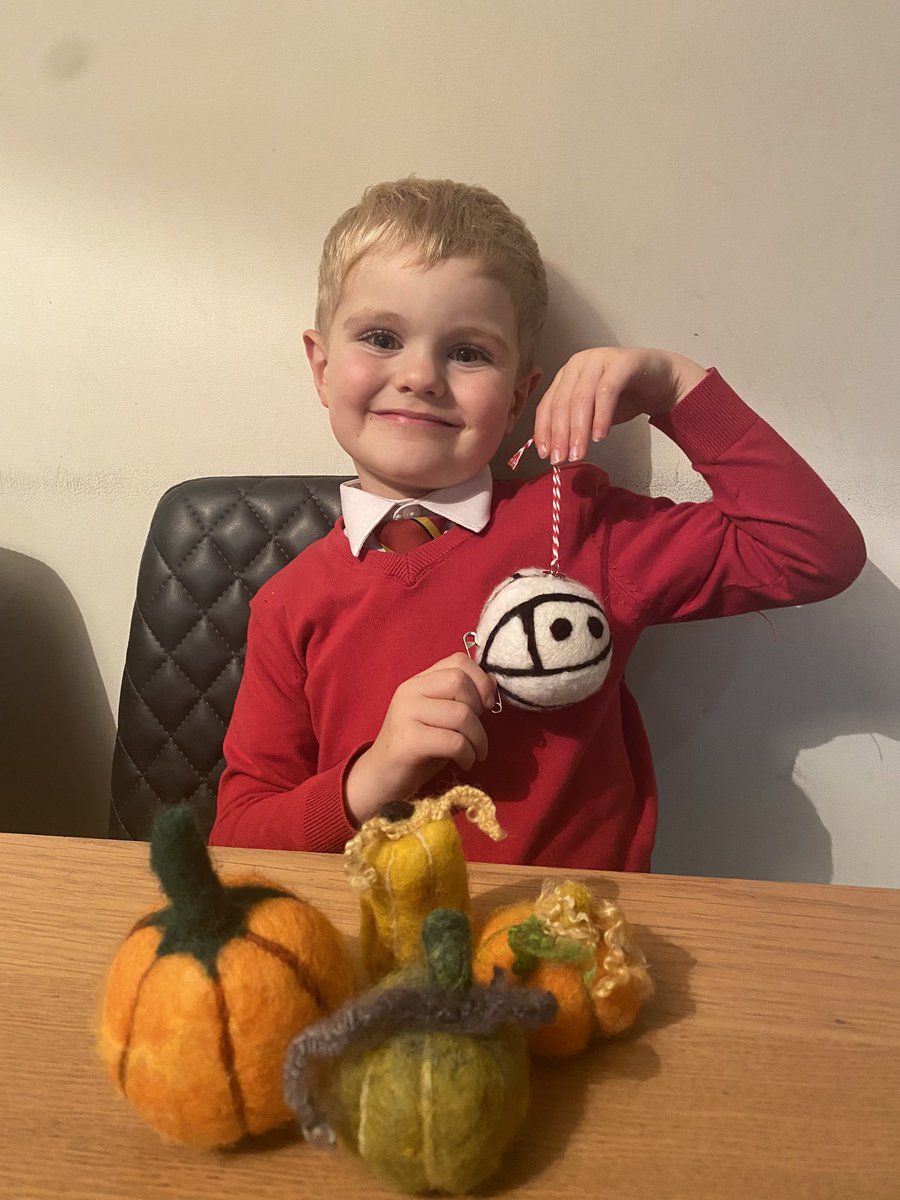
[470,641]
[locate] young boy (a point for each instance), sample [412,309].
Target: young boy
[356,690]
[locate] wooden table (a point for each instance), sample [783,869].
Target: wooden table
[767,1065]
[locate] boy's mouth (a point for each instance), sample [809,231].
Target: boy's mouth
[404,416]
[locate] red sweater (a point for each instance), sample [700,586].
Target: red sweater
[332,636]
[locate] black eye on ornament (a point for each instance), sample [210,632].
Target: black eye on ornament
[561,629]
[595,627]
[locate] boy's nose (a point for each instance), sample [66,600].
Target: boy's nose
[420,374]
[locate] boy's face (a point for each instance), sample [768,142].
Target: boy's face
[419,372]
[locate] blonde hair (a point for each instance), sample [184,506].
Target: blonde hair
[439,219]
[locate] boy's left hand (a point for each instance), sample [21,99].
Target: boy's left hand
[597,389]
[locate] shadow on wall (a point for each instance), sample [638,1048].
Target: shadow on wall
[728,707]
[57,731]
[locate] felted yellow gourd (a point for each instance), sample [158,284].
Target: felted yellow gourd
[206,992]
[404,864]
[580,949]
[426,1076]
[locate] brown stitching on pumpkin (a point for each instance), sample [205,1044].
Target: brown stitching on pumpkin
[226,1052]
[290,960]
[129,1032]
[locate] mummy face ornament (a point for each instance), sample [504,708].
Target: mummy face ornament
[545,639]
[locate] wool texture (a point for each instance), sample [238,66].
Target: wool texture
[205,993]
[545,639]
[435,1111]
[404,868]
[429,1074]
[578,948]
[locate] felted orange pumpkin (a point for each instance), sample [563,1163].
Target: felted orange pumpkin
[206,992]
[580,949]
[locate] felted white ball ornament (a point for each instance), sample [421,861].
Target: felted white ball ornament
[545,639]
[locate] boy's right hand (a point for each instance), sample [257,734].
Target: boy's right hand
[433,719]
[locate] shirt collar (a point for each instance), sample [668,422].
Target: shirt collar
[467,504]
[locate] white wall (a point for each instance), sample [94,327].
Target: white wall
[710,176]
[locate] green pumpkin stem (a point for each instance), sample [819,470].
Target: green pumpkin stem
[531,943]
[180,859]
[447,939]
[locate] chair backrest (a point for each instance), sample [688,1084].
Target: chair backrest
[212,543]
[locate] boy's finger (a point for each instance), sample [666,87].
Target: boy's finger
[542,418]
[559,424]
[458,718]
[581,421]
[468,674]
[485,689]
[450,686]
[573,409]
[608,393]
[445,730]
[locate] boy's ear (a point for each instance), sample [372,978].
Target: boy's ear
[522,393]
[317,353]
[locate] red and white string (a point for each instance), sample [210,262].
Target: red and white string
[554,522]
[555,509]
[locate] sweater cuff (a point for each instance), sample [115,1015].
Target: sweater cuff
[708,420]
[326,825]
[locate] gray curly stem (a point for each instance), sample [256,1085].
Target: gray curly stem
[477,1011]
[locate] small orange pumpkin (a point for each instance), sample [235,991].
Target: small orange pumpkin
[579,949]
[206,992]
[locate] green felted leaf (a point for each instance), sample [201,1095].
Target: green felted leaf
[531,943]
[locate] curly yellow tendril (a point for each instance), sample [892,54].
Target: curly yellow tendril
[567,910]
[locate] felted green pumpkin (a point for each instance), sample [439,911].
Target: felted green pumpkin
[429,1078]
[206,992]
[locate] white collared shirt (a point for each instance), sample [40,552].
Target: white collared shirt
[467,504]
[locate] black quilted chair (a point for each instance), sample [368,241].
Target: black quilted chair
[212,544]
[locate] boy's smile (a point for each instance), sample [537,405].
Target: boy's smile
[404,416]
[419,372]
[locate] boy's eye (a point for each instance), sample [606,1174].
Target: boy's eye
[468,354]
[381,339]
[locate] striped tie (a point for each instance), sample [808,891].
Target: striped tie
[399,536]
